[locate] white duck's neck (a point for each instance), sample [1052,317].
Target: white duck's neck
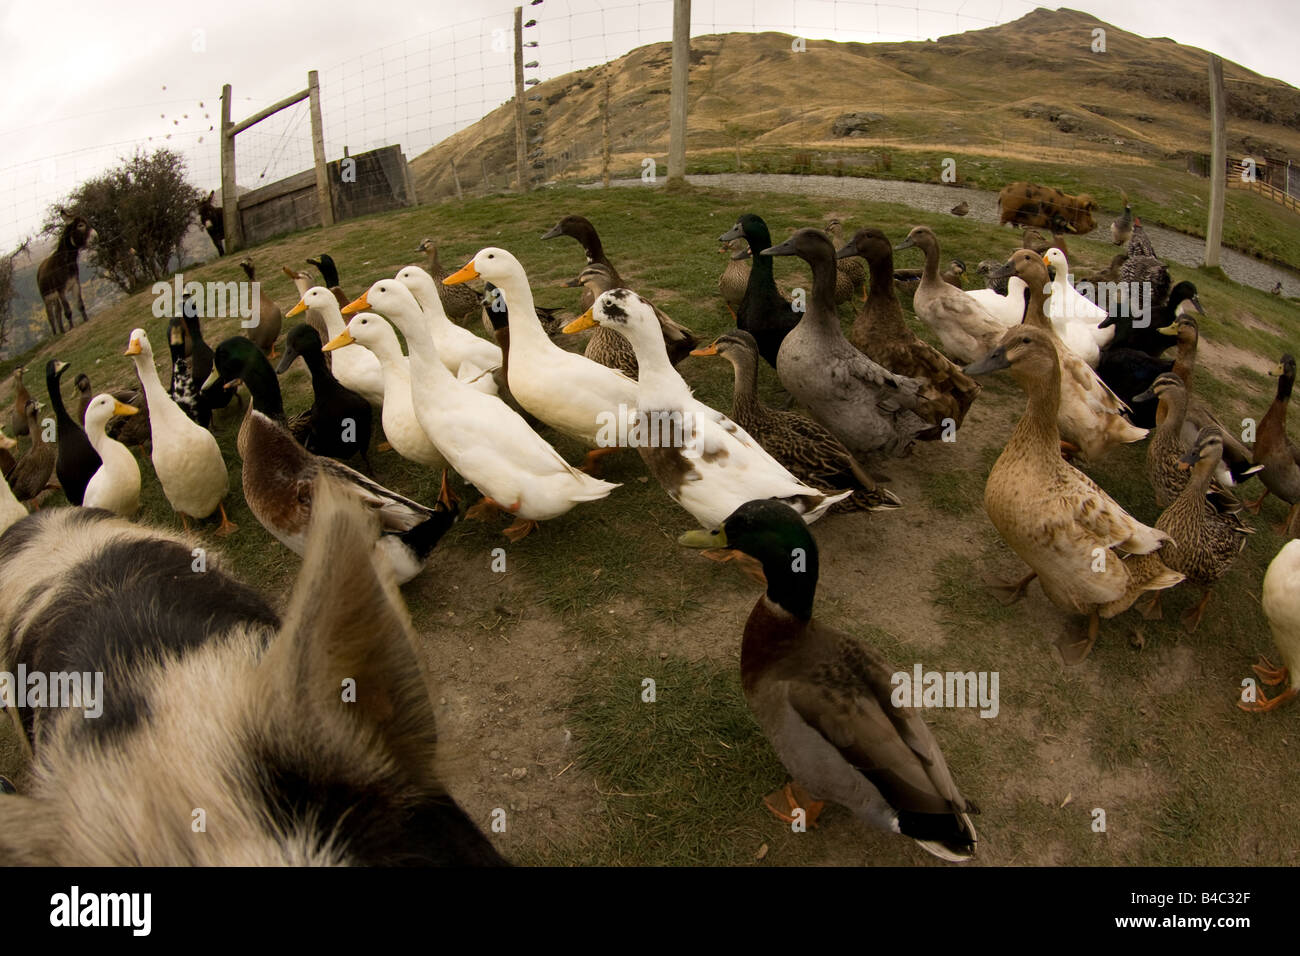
[389,355]
[426,294]
[160,403]
[110,450]
[525,329]
[659,386]
[334,324]
[426,368]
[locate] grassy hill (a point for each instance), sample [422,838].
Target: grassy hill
[536,672]
[1027,99]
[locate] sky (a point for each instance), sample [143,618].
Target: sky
[87,82]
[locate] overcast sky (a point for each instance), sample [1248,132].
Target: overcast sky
[85,81]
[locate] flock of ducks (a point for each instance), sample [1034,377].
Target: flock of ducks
[753,479]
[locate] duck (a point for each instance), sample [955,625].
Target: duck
[185,455]
[490,446]
[1237,461]
[458,302]
[880,332]
[1067,306]
[115,486]
[909,279]
[18,418]
[825,700]
[131,431]
[1280,599]
[581,229]
[1167,447]
[1203,540]
[302,281]
[735,274]
[964,328]
[1121,229]
[709,465]
[1143,268]
[329,274]
[1274,451]
[1056,518]
[455,344]
[401,427]
[338,423]
[1007,308]
[268,319]
[77,459]
[1144,334]
[200,361]
[961,209]
[1130,374]
[1109,274]
[850,274]
[181,390]
[11,509]
[569,392]
[870,409]
[611,349]
[984,270]
[764,312]
[807,450]
[1033,239]
[7,461]
[498,318]
[1277,289]
[1089,415]
[279,475]
[32,472]
[356,370]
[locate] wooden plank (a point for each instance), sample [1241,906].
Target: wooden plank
[229,191]
[318,150]
[269,111]
[1218,162]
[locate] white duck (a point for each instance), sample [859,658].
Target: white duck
[710,465]
[401,427]
[965,330]
[115,485]
[479,435]
[454,343]
[1008,309]
[569,392]
[185,455]
[1280,598]
[1067,305]
[356,369]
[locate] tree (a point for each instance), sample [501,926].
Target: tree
[7,292]
[140,212]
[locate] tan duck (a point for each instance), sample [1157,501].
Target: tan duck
[964,328]
[458,301]
[826,700]
[1203,541]
[881,333]
[1089,414]
[735,275]
[611,349]
[1237,464]
[1280,598]
[18,418]
[269,317]
[810,452]
[580,229]
[1275,452]
[1090,556]
[32,472]
[1166,447]
[850,274]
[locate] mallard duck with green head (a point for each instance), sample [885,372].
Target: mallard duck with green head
[823,699]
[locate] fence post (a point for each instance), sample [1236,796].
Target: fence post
[1218,162]
[677,97]
[456,179]
[318,150]
[229,195]
[521,141]
[604,135]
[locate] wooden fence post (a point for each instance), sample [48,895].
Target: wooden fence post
[1218,162]
[229,192]
[318,150]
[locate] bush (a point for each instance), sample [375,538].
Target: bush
[140,212]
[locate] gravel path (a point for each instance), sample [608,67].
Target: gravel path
[933,197]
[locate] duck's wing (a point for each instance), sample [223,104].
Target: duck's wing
[396,513]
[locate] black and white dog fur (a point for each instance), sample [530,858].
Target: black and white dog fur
[212,702]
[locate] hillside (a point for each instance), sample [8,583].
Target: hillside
[1025,87]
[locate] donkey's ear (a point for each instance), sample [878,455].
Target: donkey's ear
[346,647]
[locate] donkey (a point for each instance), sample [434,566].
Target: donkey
[220,731]
[59,269]
[213,218]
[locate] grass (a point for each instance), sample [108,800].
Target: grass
[1151,734]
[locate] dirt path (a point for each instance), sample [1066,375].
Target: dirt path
[932,197]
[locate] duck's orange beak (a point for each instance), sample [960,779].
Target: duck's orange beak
[356,305]
[462,275]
